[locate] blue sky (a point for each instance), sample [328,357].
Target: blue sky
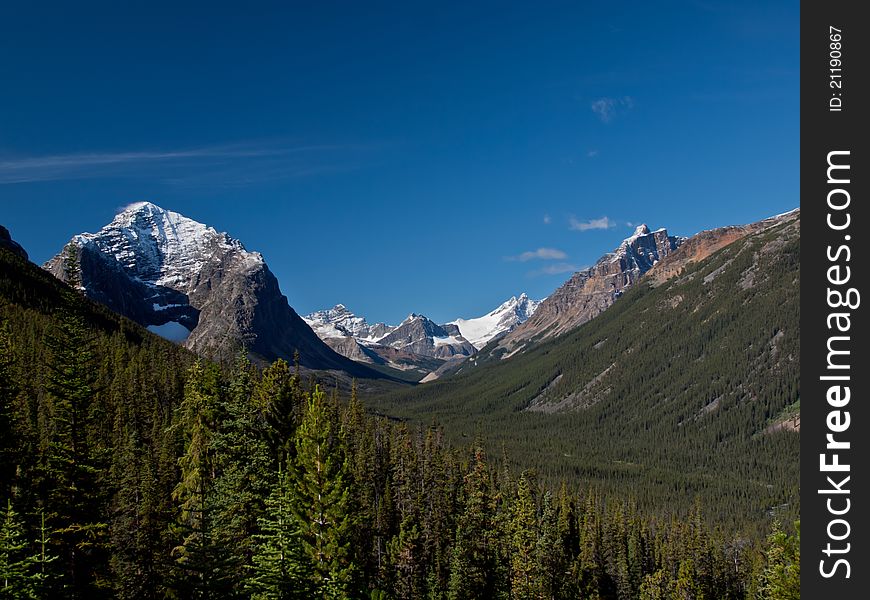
[432,157]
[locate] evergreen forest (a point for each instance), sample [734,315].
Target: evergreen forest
[130,468]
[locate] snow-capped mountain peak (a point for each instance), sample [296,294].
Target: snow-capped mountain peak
[188,282]
[338,321]
[511,313]
[164,248]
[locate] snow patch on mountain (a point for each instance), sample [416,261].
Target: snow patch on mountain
[481,330]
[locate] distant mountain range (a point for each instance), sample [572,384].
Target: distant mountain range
[417,342]
[202,288]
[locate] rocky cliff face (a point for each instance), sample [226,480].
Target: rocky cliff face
[591,291]
[8,243]
[160,268]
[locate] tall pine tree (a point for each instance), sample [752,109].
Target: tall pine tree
[200,560]
[23,573]
[75,462]
[279,566]
[321,501]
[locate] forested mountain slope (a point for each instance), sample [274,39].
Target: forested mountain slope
[665,395]
[128,469]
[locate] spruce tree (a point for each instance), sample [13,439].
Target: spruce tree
[405,554]
[279,566]
[75,463]
[321,501]
[22,573]
[781,577]
[135,530]
[476,569]
[243,471]
[525,574]
[199,559]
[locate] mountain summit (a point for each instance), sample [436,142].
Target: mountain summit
[510,314]
[591,291]
[193,284]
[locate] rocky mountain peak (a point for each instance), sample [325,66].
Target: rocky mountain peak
[590,291]
[339,321]
[505,318]
[188,282]
[164,248]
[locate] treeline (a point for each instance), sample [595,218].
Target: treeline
[128,469]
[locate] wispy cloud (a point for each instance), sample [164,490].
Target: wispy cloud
[241,163]
[607,108]
[539,254]
[602,223]
[547,220]
[592,154]
[555,269]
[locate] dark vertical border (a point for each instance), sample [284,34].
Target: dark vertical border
[822,131]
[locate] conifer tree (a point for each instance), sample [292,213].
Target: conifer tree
[550,550]
[22,573]
[243,471]
[525,575]
[781,577]
[405,552]
[321,501]
[135,529]
[278,395]
[199,559]
[74,465]
[476,569]
[656,586]
[278,570]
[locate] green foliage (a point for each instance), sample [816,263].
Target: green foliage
[781,577]
[162,476]
[278,570]
[525,562]
[321,500]
[476,568]
[73,466]
[703,361]
[23,574]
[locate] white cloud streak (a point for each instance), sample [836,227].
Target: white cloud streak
[602,223]
[166,165]
[539,254]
